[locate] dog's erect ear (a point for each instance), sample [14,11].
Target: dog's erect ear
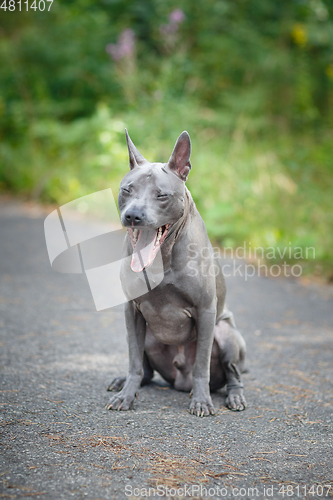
[179,161]
[135,158]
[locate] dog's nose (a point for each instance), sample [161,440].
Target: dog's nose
[134,217]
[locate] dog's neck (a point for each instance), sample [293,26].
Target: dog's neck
[175,231]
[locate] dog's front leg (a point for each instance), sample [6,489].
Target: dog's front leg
[136,332]
[201,403]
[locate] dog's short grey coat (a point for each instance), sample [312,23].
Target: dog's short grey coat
[181,328]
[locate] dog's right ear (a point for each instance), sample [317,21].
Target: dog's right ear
[135,157]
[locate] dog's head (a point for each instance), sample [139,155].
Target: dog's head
[152,199]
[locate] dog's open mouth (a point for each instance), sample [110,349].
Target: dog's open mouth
[146,243]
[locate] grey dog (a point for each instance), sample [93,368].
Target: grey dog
[181,328]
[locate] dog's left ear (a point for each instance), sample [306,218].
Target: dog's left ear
[179,161]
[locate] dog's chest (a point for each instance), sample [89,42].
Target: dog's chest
[169,317]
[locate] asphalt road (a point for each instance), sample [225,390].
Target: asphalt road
[58,355]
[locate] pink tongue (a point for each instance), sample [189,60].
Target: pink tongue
[143,250]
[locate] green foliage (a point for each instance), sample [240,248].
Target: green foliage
[252,82]
[62,161]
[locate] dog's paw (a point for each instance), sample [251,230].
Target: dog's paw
[201,409]
[120,402]
[117,384]
[235,400]
[201,404]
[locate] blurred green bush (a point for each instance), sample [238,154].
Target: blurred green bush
[252,82]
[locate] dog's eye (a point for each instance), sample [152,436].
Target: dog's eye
[162,196]
[126,191]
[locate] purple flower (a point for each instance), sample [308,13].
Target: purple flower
[177,16]
[124,47]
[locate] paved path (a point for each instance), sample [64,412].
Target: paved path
[58,355]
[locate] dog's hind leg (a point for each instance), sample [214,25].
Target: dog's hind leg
[116,384]
[232,354]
